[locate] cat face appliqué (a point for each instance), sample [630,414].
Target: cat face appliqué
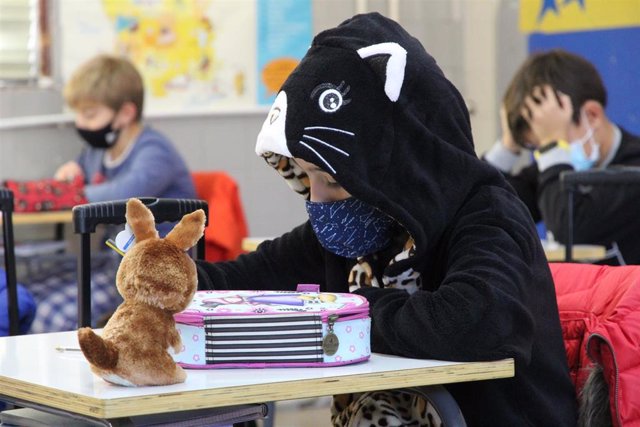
[332,102]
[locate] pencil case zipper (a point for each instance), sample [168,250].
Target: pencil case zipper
[197,319]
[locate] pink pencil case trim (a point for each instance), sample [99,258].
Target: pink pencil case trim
[275,365]
[199,320]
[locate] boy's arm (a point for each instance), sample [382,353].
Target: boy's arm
[504,155]
[525,182]
[148,171]
[280,264]
[492,263]
[68,171]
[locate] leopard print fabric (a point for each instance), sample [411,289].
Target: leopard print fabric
[295,177]
[361,274]
[392,408]
[409,280]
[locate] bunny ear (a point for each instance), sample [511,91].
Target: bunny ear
[141,220]
[188,231]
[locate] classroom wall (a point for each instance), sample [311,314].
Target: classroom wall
[475,42]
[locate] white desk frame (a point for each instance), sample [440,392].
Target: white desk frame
[33,373]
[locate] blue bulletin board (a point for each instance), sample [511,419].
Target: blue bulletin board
[605,32]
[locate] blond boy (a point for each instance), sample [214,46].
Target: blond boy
[123,157]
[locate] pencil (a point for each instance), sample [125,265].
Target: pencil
[113,246]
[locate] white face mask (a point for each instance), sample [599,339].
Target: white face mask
[579,158]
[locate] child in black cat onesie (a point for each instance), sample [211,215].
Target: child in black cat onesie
[375,138]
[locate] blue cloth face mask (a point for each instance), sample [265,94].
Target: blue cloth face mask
[349,227]
[579,159]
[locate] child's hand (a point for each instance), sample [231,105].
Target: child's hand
[68,171]
[548,113]
[507,138]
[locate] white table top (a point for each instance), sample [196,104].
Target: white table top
[31,369]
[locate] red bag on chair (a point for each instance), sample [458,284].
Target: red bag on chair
[46,194]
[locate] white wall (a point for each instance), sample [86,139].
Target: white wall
[475,42]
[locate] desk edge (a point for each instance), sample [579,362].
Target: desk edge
[255,393]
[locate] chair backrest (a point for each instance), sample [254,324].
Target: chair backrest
[87,217]
[442,402]
[570,181]
[6,206]
[226,232]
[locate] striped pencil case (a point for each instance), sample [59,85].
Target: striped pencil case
[240,329]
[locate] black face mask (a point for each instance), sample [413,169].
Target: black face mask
[100,138]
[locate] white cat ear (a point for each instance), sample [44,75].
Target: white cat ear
[394,71]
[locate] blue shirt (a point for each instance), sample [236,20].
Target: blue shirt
[152,168]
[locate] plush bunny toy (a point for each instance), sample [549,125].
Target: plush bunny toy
[156,278]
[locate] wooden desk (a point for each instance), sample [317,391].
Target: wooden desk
[56,218]
[251,243]
[32,371]
[51,217]
[580,252]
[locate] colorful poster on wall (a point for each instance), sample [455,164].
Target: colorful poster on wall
[606,32]
[194,54]
[284,36]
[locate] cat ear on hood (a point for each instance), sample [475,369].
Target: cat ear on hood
[388,60]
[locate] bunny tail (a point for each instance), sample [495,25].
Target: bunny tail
[100,353]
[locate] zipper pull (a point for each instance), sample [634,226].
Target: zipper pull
[330,342]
